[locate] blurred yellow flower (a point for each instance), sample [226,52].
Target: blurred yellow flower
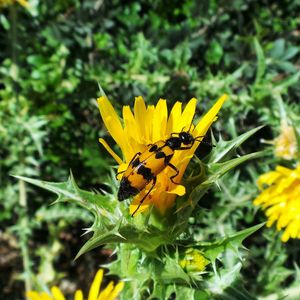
[149,124]
[4,3]
[194,261]
[110,292]
[280,198]
[286,144]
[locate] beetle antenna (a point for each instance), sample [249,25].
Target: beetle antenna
[201,139]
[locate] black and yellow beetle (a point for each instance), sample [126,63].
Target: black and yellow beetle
[144,167]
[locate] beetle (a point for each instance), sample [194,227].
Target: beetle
[145,166]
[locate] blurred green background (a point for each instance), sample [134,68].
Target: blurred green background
[53,56]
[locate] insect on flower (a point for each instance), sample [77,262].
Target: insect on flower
[145,166]
[145,126]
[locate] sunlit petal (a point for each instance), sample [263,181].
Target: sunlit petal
[57,294]
[109,292]
[116,291]
[111,151]
[78,295]
[95,287]
[280,198]
[160,118]
[111,120]
[173,125]
[106,292]
[210,117]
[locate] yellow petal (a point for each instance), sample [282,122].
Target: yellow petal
[178,190]
[117,290]
[130,127]
[188,114]
[111,121]
[95,287]
[24,3]
[78,295]
[209,117]
[45,296]
[285,237]
[33,295]
[160,117]
[111,151]
[283,170]
[175,114]
[57,294]
[149,119]
[140,112]
[267,178]
[106,292]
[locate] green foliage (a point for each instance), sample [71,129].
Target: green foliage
[54,54]
[149,234]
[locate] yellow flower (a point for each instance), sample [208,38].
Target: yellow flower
[285,143]
[280,198]
[110,292]
[147,125]
[194,261]
[4,3]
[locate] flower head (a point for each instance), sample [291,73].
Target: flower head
[149,124]
[4,3]
[110,292]
[280,198]
[286,143]
[194,261]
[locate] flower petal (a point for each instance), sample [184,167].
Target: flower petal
[95,287]
[132,139]
[140,112]
[24,3]
[281,200]
[178,190]
[111,120]
[173,125]
[57,294]
[78,295]
[160,117]
[111,151]
[188,114]
[210,117]
[106,292]
[116,291]
[33,295]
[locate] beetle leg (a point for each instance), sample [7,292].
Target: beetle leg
[177,172]
[117,174]
[185,148]
[134,157]
[143,199]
